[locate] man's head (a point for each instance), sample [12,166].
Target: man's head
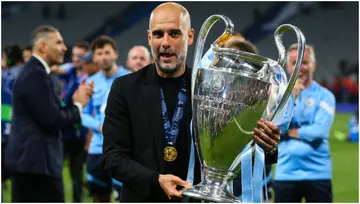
[169,36]
[48,43]
[79,50]
[27,52]
[13,55]
[86,62]
[104,52]
[308,65]
[241,44]
[138,57]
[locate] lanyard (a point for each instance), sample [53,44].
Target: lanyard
[171,131]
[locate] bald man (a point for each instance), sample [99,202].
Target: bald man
[138,57]
[145,147]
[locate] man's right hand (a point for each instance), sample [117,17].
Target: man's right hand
[298,87]
[169,183]
[83,94]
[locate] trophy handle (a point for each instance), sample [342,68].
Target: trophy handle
[204,31]
[282,59]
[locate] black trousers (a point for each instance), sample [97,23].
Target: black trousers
[74,150]
[28,187]
[318,191]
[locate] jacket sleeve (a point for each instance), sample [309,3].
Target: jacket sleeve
[117,146]
[324,117]
[40,102]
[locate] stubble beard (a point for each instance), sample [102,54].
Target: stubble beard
[169,69]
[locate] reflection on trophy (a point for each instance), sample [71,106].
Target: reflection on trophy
[228,97]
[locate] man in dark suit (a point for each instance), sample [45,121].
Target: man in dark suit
[140,105]
[34,150]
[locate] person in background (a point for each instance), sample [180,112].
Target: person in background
[304,167]
[14,62]
[104,56]
[34,153]
[27,52]
[138,57]
[90,68]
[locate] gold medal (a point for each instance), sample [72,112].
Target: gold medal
[170,154]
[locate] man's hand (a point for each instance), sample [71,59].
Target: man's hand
[100,128]
[266,134]
[293,133]
[169,183]
[83,94]
[298,87]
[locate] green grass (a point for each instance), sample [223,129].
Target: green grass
[345,158]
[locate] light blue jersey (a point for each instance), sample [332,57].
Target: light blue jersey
[94,113]
[308,158]
[123,70]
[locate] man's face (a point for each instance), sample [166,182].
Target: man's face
[90,68]
[76,53]
[137,59]
[55,48]
[26,55]
[105,57]
[307,67]
[169,39]
[3,61]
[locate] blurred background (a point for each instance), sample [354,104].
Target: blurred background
[331,27]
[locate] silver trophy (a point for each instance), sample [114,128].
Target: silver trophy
[228,98]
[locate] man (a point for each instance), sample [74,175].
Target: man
[304,165]
[34,150]
[90,68]
[27,52]
[72,74]
[14,61]
[235,42]
[138,57]
[104,55]
[88,65]
[134,135]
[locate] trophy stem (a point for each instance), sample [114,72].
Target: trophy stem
[213,188]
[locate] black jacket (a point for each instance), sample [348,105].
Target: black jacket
[35,144]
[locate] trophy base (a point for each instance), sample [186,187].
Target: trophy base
[211,193]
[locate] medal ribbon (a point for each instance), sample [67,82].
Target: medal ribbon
[252,178]
[171,131]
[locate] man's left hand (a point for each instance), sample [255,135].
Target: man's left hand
[266,134]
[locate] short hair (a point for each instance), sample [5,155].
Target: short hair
[42,31]
[82,44]
[103,40]
[28,47]
[242,45]
[14,55]
[307,47]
